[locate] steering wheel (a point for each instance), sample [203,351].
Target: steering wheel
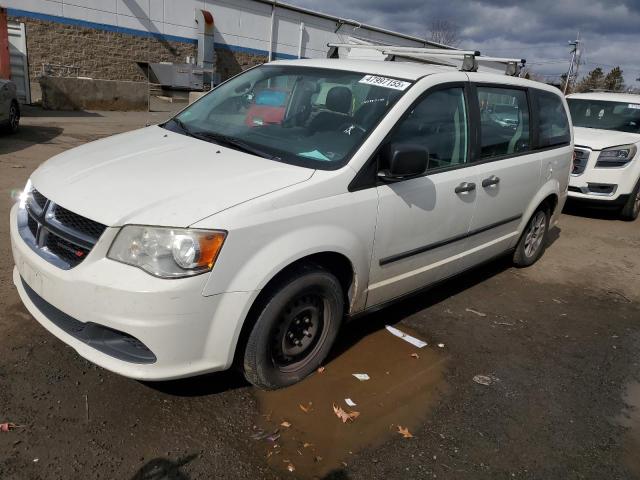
[349,128]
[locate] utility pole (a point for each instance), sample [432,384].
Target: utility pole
[576,53]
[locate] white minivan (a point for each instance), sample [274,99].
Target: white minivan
[299,193]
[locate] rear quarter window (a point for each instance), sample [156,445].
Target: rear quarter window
[553,124]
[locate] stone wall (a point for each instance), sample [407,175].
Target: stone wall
[98,54]
[102,54]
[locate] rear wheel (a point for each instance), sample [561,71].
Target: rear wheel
[533,240]
[297,323]
[631,210]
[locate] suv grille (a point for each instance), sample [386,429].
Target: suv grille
[61,236]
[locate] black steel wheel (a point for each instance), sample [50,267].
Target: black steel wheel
[297,322]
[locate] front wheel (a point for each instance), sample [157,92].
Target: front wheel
[631,210]
[297,323]
[14,117]
[533,240]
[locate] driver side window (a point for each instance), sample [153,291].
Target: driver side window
[438,123]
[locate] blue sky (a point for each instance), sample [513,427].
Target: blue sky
[537,30]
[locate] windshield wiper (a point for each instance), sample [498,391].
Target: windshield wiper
[183,127]
[224,140]
[234,143]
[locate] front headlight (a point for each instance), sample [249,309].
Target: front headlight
[24,195]
[167,252]
[616,156]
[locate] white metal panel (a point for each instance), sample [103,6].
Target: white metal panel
[89,14]
[182,13]
[19,62]
[133,8]
[99,5]
[156,10]
[49,7]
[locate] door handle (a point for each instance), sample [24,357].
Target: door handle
[492,180]
[466,187]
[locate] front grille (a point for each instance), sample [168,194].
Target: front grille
[67,251]
[580,161]
[58,235]
[40,199]
[77,222]
[32,223]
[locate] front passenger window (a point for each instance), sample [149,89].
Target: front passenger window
[438,123]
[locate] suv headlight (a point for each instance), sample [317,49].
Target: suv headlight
[616,156]
[167,252]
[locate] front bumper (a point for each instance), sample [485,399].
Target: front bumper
[187,333]
[602,186]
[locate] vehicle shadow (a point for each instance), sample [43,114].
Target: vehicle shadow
[596,213]
[352,332]
[394,313]
[27,136]
[163,469]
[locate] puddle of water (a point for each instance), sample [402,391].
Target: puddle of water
[630,418]
[401,392]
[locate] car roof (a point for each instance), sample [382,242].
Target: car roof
[409,70]
[607,96]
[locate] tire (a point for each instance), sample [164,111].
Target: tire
[631,210]
[305,306]
[14,117]
[533,241]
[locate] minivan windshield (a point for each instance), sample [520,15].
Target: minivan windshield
[306,116]
[606,115]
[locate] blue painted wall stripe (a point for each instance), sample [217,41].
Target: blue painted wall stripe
[139,33]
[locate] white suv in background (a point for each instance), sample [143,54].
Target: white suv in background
[294,195]
[606,170]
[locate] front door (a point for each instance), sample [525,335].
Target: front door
[423,222]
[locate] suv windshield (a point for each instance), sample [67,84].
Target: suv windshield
[623,117]
[305,116]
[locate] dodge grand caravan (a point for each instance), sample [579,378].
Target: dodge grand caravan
[606,170]
[237,235]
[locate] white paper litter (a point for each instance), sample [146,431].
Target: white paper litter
[407,338]
[480,314]
[349,402]
[441,345]
[361,376]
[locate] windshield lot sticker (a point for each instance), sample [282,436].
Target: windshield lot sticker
[385,82]
[635,106]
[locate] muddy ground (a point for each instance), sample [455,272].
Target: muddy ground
[559,344]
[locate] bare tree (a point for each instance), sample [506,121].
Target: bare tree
[445,32]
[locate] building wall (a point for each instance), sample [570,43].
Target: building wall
[104,38]
[97,53]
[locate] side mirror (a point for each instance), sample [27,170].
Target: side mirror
[403,161]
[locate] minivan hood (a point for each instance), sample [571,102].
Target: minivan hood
[153,176]
[597,139]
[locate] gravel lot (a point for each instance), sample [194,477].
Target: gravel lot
[559,343]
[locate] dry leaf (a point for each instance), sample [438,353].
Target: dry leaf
[415,355]
[404,432]
[5,427]
[317,459]
[320,369]
[307,408]
[343,415]
[291,468]
[285,424]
